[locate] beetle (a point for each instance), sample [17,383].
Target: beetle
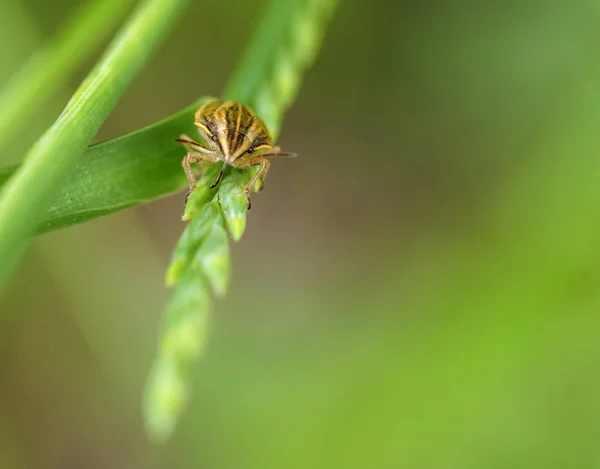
[236,136]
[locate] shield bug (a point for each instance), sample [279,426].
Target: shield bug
[236,136]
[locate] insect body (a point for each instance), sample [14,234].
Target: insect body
[236,137]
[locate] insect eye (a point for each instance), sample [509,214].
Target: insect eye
[250,149]
[215,137]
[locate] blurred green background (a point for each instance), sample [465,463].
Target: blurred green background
[419,289]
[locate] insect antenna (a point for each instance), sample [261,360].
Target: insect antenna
[188,141]
[185,140]
[280,153]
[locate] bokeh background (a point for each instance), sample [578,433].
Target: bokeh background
[419,289]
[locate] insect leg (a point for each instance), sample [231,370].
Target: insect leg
[194,157]
[260,174]
[219,177]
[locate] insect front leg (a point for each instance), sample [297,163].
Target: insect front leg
[194,157]
[219,177]
[260,174]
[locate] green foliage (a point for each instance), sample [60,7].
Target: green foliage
[285,44]
[27,194]
[28,88]
[6,173]
[455,327]
[145,165]
[120,173]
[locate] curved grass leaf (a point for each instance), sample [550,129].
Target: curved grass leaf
[120,173]
[28,193]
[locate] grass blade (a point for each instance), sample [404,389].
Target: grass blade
[120,173]
[28,193]
[36,80]
[284,46]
